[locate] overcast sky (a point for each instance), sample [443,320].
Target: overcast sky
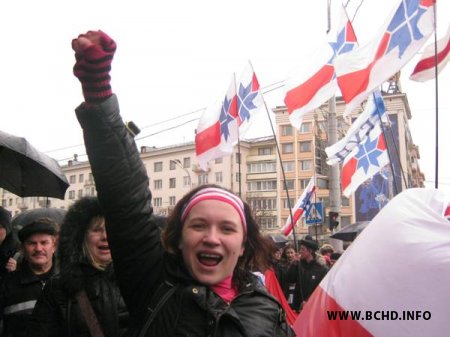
[177,57]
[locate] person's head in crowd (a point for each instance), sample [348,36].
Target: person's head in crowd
[5,223]
[334,257]
[308,248]
[38,240]
[213,232]
[83,236]
[326,249]
[289,253]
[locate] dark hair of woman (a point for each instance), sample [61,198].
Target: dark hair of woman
[255,255]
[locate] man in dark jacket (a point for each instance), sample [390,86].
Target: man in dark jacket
[21,288]
[310,271]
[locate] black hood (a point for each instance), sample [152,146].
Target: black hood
[73,230]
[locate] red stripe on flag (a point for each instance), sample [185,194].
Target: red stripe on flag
[314,321]
[255,83]
[354,83]
[302,94]
[348,169]
[207,139]
[428,63]
[447,211]
[381,145]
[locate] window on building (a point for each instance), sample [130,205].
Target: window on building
[172,201]
[305,127]
[288,166]
[286,130]
[262,167]
[91,177]
[80,194]
[304,146]
[322,183]
[218,160]
[287,148]
[322,126]
[303,183]
[172,165]
[263,185]
[4,203]
[71,195]
[345,220]
[238,177]
[157,184]
[202,179]
[263,204]
[306,165]
[345,201]
[158,166]
[172,182]
[11,201]
[218,177]
[238,158]
[186,181]
[266,223]
[157,202]
[289,184]
[264,151]
[286,203]
[187,162]
[73,179]
[81,178]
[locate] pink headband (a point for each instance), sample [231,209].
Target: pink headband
[213,193]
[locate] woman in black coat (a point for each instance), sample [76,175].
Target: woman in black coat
[195,279]
[85,262]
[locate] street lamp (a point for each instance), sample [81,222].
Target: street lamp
[178,163]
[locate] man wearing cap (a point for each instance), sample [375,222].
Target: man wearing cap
[22,287]
[309,271]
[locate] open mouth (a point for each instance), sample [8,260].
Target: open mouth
[103,248]
[209,260]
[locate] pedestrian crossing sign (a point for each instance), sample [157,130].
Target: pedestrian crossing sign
[314,214]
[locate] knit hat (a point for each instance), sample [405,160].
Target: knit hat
[43,225]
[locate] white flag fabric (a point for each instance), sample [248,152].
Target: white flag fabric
[395,275]
[424,69]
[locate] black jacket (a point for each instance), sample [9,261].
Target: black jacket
[57,313]
[306,277]
[19,292]
[139,259]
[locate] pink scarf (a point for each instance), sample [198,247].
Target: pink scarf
[225,289]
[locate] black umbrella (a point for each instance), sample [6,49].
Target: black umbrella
[350,232]
[25,218]
[279,240]
[27,172]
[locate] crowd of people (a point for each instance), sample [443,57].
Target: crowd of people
[187,275]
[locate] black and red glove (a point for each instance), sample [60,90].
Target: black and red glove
[93,64]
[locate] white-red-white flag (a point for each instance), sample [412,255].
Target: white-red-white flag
[366,67]
[425,68]
[302,204]
[393,279]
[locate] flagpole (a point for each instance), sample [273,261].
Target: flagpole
[386,142]
[283,174]
[436,95]
[239,144]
